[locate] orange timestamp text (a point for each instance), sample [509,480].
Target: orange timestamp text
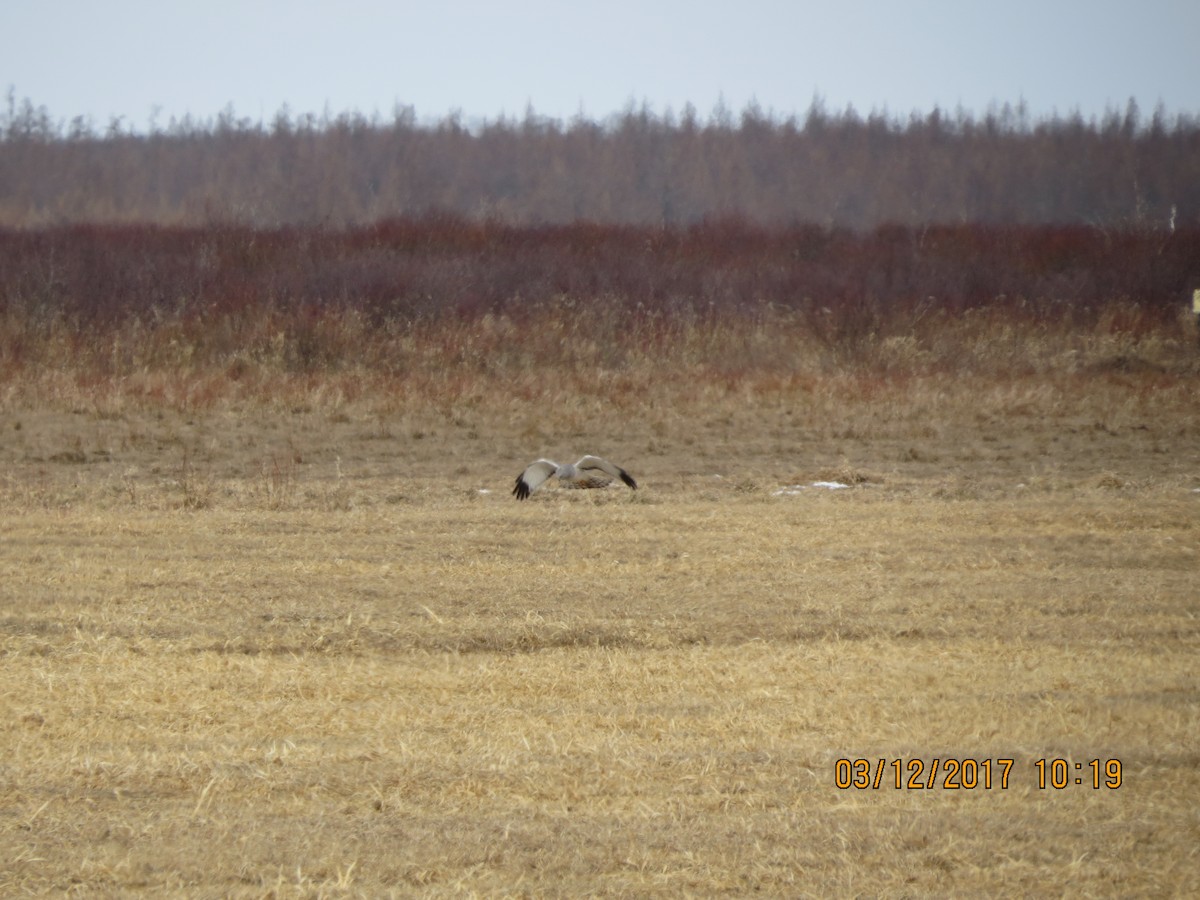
[953,774]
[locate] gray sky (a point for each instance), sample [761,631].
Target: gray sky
[131,58]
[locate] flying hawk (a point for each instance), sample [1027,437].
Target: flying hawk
[589,472]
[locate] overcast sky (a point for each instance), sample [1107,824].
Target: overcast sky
[147,60]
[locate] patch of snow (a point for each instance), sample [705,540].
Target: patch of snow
[794,489]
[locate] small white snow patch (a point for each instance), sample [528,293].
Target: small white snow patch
[792,490]
[484,491]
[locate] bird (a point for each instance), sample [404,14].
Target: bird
[588,472]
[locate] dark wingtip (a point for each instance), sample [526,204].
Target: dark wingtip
[628,479]
[521,491]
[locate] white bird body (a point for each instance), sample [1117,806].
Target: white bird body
[588,472]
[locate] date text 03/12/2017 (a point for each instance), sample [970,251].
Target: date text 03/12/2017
[972,774]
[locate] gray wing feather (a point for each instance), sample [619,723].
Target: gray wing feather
[603,465]
[533,477]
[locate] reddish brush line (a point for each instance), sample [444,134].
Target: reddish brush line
[420,269]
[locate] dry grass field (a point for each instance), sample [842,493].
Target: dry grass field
[291,637]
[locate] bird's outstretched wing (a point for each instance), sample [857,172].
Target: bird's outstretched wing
[533,476]
[595,463]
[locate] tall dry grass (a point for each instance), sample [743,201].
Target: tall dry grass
[565,350]
[449,312]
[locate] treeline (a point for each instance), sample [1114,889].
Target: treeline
[834,170]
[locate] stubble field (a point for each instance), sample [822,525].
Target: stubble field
[272,625]
[304,643]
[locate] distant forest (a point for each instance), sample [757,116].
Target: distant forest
[638,167]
